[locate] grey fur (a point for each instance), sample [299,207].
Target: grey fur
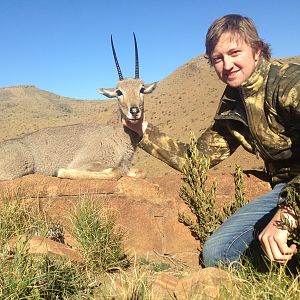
[90,149]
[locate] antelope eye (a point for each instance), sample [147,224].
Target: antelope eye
[119,93]
[142,90]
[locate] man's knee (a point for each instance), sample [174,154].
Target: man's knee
[211,255]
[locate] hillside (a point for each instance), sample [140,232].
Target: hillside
[184,101]
[27,108]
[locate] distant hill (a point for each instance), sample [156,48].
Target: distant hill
[27,108]
[184,101]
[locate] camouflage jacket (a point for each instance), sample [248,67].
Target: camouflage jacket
[262,115]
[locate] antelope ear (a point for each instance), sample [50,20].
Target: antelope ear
[149,88]
[110,93]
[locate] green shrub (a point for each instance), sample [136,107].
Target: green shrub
[26,276]
[202,199]
[101,241]
[15,216]
[199,198]
[23,216]
[293,199]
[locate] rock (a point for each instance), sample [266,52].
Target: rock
[145,209]
[207,282]
[41,245]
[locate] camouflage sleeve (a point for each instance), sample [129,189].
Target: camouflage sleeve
[213,143]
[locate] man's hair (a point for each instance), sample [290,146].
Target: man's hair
[238,26]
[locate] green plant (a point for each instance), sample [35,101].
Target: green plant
[24,216]
[19,216]
[249,283]
[239,196]
[155,266]
[25,276]
[293,199]
[202,199]
[101,241]
[199,198]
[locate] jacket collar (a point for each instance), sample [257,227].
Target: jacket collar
[257,80]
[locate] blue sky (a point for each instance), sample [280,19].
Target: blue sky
[63,46]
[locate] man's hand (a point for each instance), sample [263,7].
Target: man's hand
[273,238]
[139,126]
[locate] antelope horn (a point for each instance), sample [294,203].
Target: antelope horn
[116,59]
[137,72]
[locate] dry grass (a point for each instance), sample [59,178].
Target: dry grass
[40,277]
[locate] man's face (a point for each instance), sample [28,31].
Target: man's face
[234,60]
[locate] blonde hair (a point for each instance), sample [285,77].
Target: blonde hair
[239,26]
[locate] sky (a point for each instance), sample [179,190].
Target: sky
[63,46]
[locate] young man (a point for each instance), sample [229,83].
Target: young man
[260,110]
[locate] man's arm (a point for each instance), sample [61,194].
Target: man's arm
[216,143]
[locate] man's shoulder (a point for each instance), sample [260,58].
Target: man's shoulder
[283,73]
[282,68]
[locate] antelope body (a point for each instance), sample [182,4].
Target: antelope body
[81,151]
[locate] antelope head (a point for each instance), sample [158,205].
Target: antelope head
[129,91]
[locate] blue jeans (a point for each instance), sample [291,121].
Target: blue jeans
[240,232]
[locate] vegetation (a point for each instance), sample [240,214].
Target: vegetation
[276,283]
[17,216]
[293,199]
[95,230]
[27,276]
[202,199]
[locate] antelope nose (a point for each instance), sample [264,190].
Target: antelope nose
[134,110]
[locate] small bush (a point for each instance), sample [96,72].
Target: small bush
[293,199]
[102,243]
[239,196]
[202,199]
[199,198]
[20,216]
[26,276]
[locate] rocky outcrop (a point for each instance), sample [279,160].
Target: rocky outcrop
[145,209]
